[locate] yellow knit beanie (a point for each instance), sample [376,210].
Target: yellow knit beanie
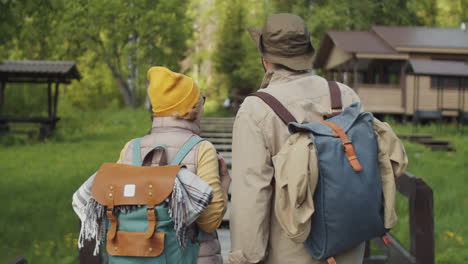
[171,92]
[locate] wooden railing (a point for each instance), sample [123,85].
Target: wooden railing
[421,226]
[419,194]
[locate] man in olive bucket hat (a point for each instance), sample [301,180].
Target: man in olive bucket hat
[287,52]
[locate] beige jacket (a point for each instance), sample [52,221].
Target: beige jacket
[256,234]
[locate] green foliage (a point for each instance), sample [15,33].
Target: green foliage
[129,37]
[236,56]
[126,37]
[213,108]
[353,15]
[95,90]
[25,100]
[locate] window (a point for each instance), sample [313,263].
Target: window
[382,72]
[445,82]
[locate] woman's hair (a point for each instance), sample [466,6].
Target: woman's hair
[193,113]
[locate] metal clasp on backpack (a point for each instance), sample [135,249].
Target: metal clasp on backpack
[336,110]
[345,143]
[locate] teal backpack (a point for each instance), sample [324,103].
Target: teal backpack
[145,234]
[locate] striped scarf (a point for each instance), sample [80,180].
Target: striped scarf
[190,196]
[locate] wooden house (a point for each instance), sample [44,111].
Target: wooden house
[407,71]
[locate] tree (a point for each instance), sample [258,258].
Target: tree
[129,36]
[236,55]
[353,14]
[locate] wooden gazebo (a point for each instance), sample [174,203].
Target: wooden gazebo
[52,73]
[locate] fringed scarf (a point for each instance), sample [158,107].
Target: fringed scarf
[190,196]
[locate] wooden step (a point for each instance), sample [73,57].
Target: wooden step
[224,147]
[414,136]
[227,214]
[226,155]
[442,147]
[430,141]
[225,124]
[217,135]
[220,140]
[215,128]
[224,236]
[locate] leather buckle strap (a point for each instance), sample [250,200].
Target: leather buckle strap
[347,145]
[110,214]
[152,222]
[114,223]
[331,260]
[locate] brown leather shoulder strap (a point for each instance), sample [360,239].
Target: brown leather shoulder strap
[335,95]
[347,145]
[276,106]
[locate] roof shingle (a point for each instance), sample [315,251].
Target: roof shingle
[423,37]
[10,70]
[360,42]
[439,67]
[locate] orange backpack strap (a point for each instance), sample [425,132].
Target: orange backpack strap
[347,145]
[331,260]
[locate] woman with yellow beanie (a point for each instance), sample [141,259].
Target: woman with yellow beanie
[177,107]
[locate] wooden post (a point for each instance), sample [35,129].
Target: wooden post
[56,94]
[403,88]
[49,98]
[2,95]
[464,84]
[415,99]
[421,210]
[422,223]
[355,75]
[460,94]
[441,94]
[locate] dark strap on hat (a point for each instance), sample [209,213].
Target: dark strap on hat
[276,106]
[335,95]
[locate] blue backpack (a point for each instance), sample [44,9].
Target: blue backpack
[348,198]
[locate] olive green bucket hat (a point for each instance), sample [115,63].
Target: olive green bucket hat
[284,39]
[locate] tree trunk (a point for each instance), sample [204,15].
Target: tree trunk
[125,90]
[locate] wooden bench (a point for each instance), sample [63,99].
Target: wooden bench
[47,124]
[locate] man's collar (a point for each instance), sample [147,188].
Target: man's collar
[279,74]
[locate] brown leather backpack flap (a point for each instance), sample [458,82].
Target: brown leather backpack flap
[134,244]
[119,184]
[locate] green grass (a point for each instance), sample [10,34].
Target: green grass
[37,180]
[447,174]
